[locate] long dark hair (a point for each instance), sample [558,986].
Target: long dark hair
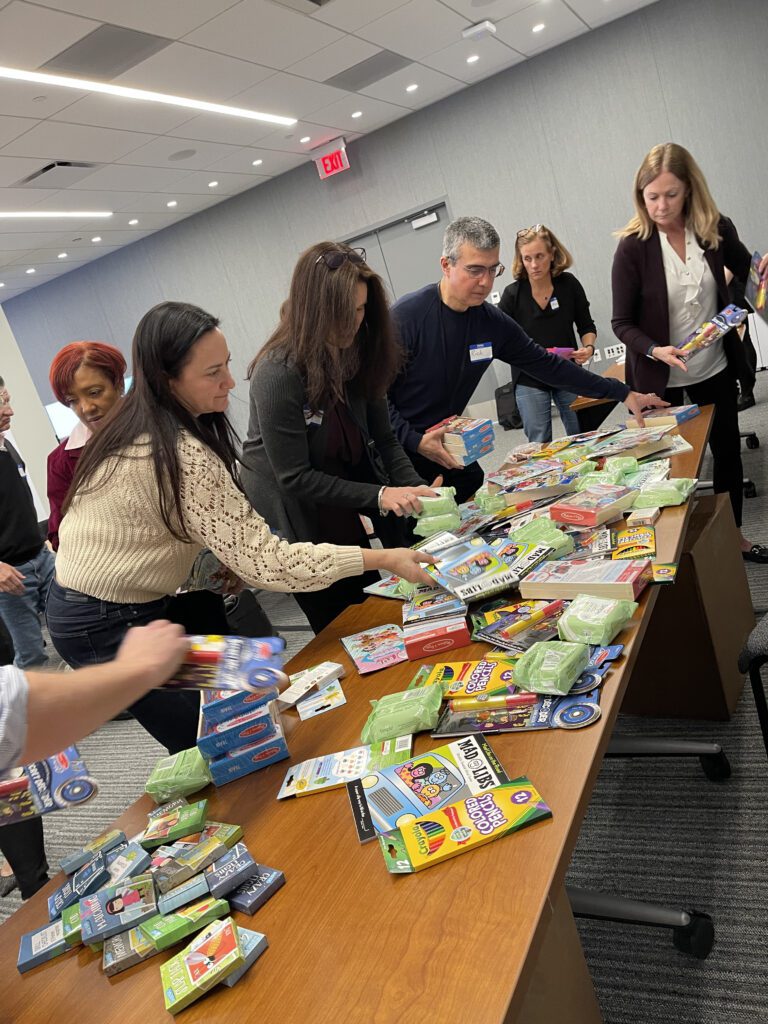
[162,345]
[320,306]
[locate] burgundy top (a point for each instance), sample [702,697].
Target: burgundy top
[62,463]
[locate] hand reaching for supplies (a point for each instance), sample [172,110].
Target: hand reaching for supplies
[404,501]
[636,402]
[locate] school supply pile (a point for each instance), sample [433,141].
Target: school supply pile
[236,737]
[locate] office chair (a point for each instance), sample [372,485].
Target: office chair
[750,491]
[751,661]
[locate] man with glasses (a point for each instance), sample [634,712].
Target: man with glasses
[451,335]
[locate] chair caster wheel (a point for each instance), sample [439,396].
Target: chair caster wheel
[752,441]
[750,491]
[697,938]
[716,767]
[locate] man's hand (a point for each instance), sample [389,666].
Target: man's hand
[11,580]
[636,402]
[671,356]
[432,448]
[154,652]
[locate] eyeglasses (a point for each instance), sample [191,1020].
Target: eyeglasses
[477,272]
[334,259]
[532,231]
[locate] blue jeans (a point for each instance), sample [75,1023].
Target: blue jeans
[21,612]
[88,631]
[535,408]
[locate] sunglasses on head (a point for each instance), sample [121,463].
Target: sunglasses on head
[531,231]
[335,258]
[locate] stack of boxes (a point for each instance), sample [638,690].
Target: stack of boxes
[239,733]
[468,439]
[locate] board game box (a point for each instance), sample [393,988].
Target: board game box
[256,890]
[116,908]
[211,956]
[165,930]
[253,945]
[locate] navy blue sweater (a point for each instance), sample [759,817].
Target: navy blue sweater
[440,373]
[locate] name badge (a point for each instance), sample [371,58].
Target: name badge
[311,418]
[481,352]
[554,304]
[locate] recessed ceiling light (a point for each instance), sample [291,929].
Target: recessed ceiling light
[473,59]
[212,184]
[86,85]
[62,255]
[96,238]
[53,214]
[304,138]
[172,203]
[257,163]
[411,88]
[2,284]
[358,113]
[182,154]
[29,270]
[132,223]
[539,28]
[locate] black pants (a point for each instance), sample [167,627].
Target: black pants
[22,846]
[724,440]
[322,606]
[466,480]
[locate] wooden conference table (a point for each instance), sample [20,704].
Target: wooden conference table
[489,936]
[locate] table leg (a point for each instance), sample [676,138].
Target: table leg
[561,988]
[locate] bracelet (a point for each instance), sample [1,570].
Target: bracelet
[590,345]
[382,511]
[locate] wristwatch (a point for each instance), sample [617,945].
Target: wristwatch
[649,353]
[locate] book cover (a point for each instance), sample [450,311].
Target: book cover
[230,871]
[165,930]
[376,648]
[638,442]
[472,570]
[257,889]
[463,825]
[117,908]
[330,771]
[234,764]
[626,579]
[432,605]
[179,822]
[194,888]
[214,738]
[188,863]
[124,950]
[423,784]
[41,945]
[593,506]
[253,945]
[673,416]
[756,290]
[208,959]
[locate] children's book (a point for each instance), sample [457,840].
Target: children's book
[330,697]
[472,570]
[41,945]
[126,949]
[376,648]
[330,771]
[255,892]
[49,785]
[117,908]
[253,945]
[231,663]
[521,557]
[432,605]
[87,879]
[211,956]
[165,930]
[590,542]
[757,288]
[422,784]
[672,416]
[593,506]
[463,825]
[566,579]
[387,586]
[550,485]
[573,711]
[524,615]
[637,443]
[178,823]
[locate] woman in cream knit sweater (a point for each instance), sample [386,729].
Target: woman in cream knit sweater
[156,486]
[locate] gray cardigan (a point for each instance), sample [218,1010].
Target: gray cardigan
[282,454]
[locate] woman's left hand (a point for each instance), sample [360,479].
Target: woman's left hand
[583,355]
[636,402]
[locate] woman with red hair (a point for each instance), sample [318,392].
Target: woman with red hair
[88,377]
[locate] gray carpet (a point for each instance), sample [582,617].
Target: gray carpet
[655,830]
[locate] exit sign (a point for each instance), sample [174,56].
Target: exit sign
[332,163]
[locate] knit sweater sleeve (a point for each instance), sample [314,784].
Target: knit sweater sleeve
[218,516]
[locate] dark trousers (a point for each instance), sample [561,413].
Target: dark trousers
[724,440]
[466,480]
[87,631]
[22,846]
[322,606]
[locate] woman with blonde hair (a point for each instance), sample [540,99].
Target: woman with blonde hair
[668,278]
[548,303]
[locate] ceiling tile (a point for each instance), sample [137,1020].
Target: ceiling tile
[184,70]
[333,59]
[86,199]
[12,127]
[559,21]
[159,153]
[598,12]
[418,28]
[218,128]
[289,95]
[53,140]
[147,221]
[13,169]
[272,162]
[288,139]
[375,114]
[351,15]
[125,178]
[431,86]
[493,57]
[156,203]
[26,99]
[265,33]
[170,18]
[488,10]
[130,115]
[31,35]
[229,184]
[25,240]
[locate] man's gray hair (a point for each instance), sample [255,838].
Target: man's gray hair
[472,230]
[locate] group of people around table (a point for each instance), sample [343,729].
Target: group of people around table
[342,396]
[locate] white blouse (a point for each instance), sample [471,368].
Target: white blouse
[692,299]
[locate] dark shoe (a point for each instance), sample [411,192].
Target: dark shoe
[7,884]
[745,402]
[757,553]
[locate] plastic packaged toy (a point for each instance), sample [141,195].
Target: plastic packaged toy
[664,493]
[397,714]
[178,775]
[594,620]
[551,667]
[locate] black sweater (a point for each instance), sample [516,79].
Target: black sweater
[19,534]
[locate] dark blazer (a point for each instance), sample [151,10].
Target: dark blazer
[640,306]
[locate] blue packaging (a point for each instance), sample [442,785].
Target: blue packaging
[193,889]
[256,890]
[253,945]
[240,731]
[229,871]
[236,763]
[85,881]
[101,844]
[41,945]
[219,705]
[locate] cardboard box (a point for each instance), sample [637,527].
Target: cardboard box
[436,638]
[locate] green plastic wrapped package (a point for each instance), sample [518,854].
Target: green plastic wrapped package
[583,467]
[621,464]
[488,502]
[544,531]
[178,775]
[594,620]
[426,526]
[444,503]
[551,666]
[592,479]
[663,493]
[398,714]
